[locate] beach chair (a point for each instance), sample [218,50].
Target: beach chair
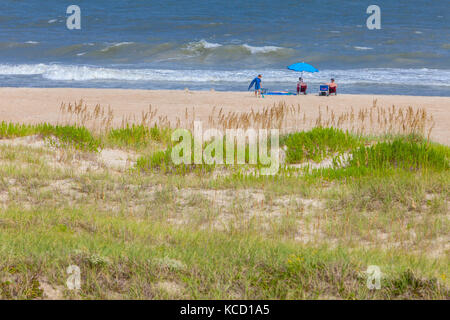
[332,90]
[324,90]
[302,89]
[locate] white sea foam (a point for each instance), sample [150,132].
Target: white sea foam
[363,48]
[52,20]
[116,45]
[202,44]
[264,49]
[31,42]
[56,72]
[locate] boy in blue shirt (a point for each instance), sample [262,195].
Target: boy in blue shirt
[257,83]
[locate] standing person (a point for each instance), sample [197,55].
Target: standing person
[301,86]
[257,83]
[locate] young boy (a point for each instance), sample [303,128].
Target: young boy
[257,83]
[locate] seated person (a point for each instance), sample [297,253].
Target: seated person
[332,87]
[301,86]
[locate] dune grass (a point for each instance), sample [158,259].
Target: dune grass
[14,130]
[120,257]
[400,153]
[405,153]
[69,135]
[317,144]
[79,137]
[137,136]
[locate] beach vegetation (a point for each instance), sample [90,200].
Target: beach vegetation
[150,229]
[317,144]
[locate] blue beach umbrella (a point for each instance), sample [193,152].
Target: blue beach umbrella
[302,67]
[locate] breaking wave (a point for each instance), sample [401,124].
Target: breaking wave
[203,45]
[58,72]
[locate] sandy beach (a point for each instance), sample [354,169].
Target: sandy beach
[34,105]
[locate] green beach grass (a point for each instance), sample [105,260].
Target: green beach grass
[149,231]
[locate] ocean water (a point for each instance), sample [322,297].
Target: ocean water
[224,44]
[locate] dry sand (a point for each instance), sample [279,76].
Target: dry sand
[34,105]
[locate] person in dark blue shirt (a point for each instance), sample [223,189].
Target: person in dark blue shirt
[257,83]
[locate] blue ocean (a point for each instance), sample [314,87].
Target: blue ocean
[223,45]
